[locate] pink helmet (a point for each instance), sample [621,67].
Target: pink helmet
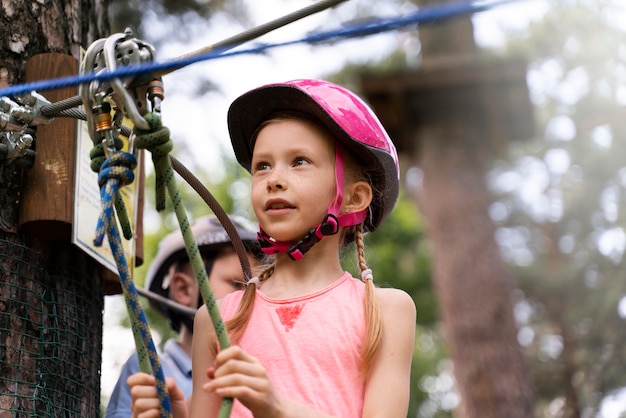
[348,118]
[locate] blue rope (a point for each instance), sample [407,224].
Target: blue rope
[117,171]
[425,14]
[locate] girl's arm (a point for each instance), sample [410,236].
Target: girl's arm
[203,404]
[388,383]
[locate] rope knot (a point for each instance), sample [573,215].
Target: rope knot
[119,167]
[157,141]
[115,171]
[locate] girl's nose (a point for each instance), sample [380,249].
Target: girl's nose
[276,182]
[274,185]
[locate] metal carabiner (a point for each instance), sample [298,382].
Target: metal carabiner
[130,95]
[120,46]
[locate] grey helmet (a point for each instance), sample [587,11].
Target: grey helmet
[210,236]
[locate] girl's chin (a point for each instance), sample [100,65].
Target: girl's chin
[285,235]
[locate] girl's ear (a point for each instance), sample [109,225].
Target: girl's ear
[357,196]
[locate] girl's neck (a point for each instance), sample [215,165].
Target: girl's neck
[319,268]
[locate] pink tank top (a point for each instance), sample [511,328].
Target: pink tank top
[310,345]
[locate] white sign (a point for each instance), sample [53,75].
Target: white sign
[87,206]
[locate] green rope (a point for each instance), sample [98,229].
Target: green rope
[157,141]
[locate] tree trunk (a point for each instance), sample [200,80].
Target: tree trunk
[51,296]
[471,279]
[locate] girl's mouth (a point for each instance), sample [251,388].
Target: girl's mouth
[278,205]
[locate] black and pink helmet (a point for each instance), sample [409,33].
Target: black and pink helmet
[344,114]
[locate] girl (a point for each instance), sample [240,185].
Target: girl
[309,340]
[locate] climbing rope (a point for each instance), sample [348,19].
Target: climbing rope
[157,141]
[104,167]
[115,172]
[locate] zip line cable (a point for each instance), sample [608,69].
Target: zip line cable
[375,26]
[258,31]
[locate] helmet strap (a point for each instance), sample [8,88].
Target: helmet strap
[329,226]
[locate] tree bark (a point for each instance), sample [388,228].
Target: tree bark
[51,295]
[471,280]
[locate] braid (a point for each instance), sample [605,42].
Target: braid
[237,324]
[267,272]
[360,247]
[373,321]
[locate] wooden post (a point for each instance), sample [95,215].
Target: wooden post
[46,200]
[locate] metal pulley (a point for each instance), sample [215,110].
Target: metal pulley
[130,96]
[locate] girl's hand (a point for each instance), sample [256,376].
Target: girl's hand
[239,375]
[145,398]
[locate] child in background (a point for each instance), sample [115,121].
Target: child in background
[171,276]
[309,340]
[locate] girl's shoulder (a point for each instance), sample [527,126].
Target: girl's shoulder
[395,303]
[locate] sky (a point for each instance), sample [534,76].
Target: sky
[199,123]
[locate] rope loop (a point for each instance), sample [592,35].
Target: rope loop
[157,141]
[115,172]
[118,167]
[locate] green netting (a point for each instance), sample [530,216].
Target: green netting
[50,330]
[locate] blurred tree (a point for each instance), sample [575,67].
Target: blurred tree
[560,207]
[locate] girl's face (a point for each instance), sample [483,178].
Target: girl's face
[293,177]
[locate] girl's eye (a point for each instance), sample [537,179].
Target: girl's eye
[300,161]
[261,166]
